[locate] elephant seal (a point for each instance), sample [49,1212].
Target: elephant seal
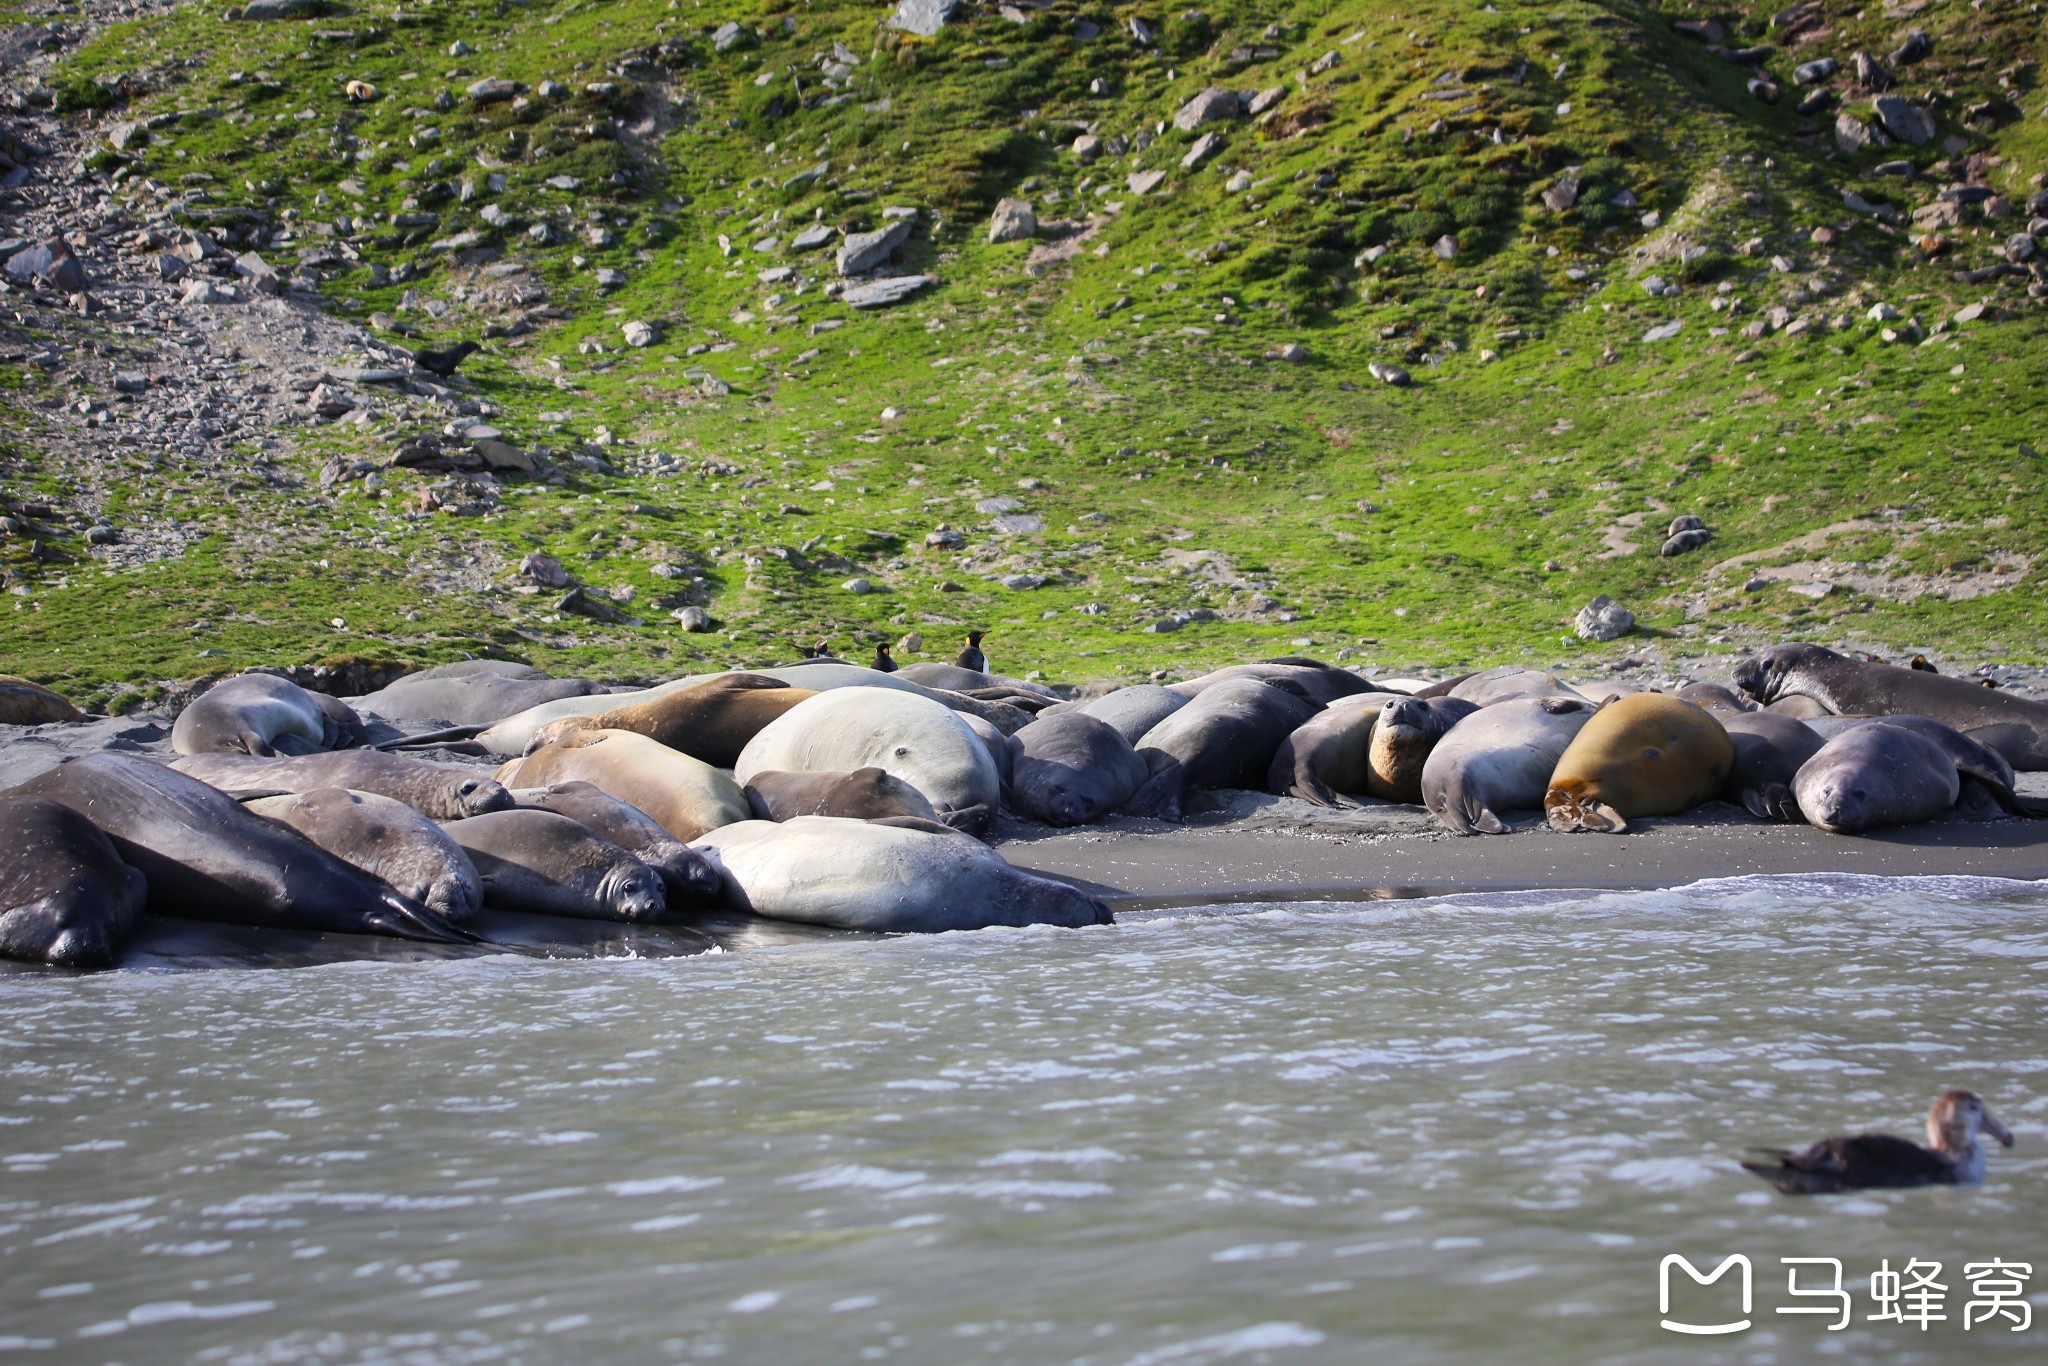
[865,794]
[263,714]
[996,743]
[1769,749]
[1500,758]
[441,792]
[386,839]
[1506,683]
[545,864]
[66,898]
[2014,726]
[684,872]
[23,703]
[1717,699]
[1798,707]
[1322,684]
[1407,731]
[1980,766]
[685,796]
[1876,775]
[1133,711]
[1225,736]
[478,697]
[1324,760]
[1648,754]
[205,858]
[712,721]
[859,875]
[1072,769]
[952,678]
[915,738]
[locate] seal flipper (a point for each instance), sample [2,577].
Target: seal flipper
[1160,796]
[439,739]
[1773,802]
[403,918]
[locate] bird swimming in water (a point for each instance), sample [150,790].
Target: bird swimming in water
[1953,1155]
[1921,663]
[972,657]
[444,361]
[883,663]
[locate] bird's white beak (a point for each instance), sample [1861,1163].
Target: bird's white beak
[1997,1130]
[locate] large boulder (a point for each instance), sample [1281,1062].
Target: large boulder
[1013,221]
[1211,105]
[863,251]
[1907,122]
[923,17]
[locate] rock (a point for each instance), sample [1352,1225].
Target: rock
[815,236]
[1265,100]
[1656,286]
[1816,101]
[1389,374]
[1664,331]
[2020,247]
[1144,182]
[1852,134]
[882,293]
[1818,589]
[588,602]
[858,587]
[1970,313]
[1163,626]
[640,333]
[260,274]
[101,534]
[923,17]
[1209,106]
[1022,583]
[544,570]
[1685,541]
[944,539]
[692,619]
[1444,247]
[1904,170]
[863,251]
[1603,619]
[1565,192]
[727,36]
[609,279]
[125,137]
[1292,352]
[200,292]
[1020,524]
[500,455]
[1907,122]
[1205,147]
[494,90]
[1856,203]
[260,10]
[911,644]
[50,264]
[130,382]
[1086,148]
[1013,221]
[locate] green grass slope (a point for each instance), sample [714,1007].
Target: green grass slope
[1121,377]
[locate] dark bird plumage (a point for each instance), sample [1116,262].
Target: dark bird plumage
[972,657]
[1921,663]
[882,660]
[1953,1157]
[443,360]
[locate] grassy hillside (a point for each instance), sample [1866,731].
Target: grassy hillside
[1123,377]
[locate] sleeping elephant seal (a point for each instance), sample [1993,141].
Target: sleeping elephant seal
[917,739]
[263,714]
[1072,769]
[1717,699]
[2014,726]
[1980,766]
[1407,731]
[1500,758]
[684,873]
[685,796]
[478,697]
[441,792]
[996,743]
[386,839]
[23,703]
[544,864]
[865,794]
[1225,736]
[1506,683]
[1876,775]
[857,875]
[1321,684]
[1648,754]
[206,858]
[953,678]
[66,898]
[1324,760]
[1133,711]
[1768,752]
[712,721]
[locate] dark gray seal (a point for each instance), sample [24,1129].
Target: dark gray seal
[861,794]
[1876,775]
[263,714]
[1320,683]
[441,792]
[685,873]
[1225,736]
[66,898]
[386,839]
[2014,726]
[205,858]
[547,864]
[1717,699]
[1985,772]
[1072,769]
[475,697]
[1769,750]
[1498,759]
[1324,760]
[1133,711]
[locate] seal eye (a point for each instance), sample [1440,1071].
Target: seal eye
[903,751]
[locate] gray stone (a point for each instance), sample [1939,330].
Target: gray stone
[1205,147]
[1013,221]
[1664,331]
[1022,583]
[1444,247]
[1905,121]
[50,264]
[201,292]
[640,333]
[1265,100]
[1603,619]
[1087,147]
[493,90]
[544,570]
[1210,105]
[1565,192]
[945,538]
[858,587]
[1144,182]
[1856,203]
[130,382]
[257,10]
[923,17]
[863,251]
[727,36]
[815,236]
[260,274]
[500,455]
[1852,134]
[882,293]
[1020,524]
[1163,626]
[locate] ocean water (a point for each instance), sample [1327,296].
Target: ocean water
[1461,1129]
